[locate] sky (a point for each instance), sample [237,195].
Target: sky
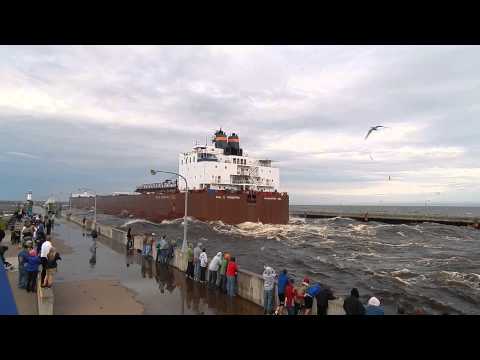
[102,116]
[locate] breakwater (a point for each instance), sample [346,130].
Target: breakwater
[386,218]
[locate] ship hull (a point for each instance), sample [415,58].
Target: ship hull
[230,208]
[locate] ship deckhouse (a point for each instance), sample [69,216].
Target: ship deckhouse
[224,166]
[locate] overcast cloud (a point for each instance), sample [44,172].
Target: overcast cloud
[101,116]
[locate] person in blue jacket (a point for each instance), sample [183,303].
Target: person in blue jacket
[374,307]
[33,262]
[282,283]
[22,262]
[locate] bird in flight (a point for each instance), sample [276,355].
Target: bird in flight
[374,128]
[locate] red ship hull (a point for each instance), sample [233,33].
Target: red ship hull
[230,208]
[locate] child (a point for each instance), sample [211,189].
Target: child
[52,258]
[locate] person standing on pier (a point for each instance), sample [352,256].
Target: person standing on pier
[190,269]
[45,249]
[33,262]
[311,293]
[22,271]
[352,304]
[129,240]
[300,296]
[222,277]
[203,265]
[322,298]
[232,272]
[282,282]
[49,225]
[268,286]
[52,258]
[213,270]
[196,262]
[290,293]
[374,307]
[162,250]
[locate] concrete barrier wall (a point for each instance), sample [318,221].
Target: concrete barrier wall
[250,287]
[105,230]
[45,299]
[119,236]
[249,284]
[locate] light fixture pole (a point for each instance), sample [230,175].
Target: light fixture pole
[95,208]
[184,244]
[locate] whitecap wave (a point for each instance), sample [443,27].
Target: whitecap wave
[471,280]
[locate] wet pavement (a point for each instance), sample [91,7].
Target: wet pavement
[159,288]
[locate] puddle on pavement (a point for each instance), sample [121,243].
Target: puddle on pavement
[161,289]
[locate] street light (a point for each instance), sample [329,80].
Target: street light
[95,211]
[154,172]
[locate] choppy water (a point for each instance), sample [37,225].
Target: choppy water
[428,265]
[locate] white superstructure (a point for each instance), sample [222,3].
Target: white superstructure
[223,166]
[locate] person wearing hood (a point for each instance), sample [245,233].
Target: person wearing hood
[269,276]
[203,265]
[190,270]
[374,307]
[312,291]
[213,269]
[322,298]
[282,283]
[232,272]
[352,304]
[196,262]
[222,277]
[290,293]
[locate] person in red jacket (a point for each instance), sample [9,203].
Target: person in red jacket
[290,293]
[232,271]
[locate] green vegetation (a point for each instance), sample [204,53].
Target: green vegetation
[3,222]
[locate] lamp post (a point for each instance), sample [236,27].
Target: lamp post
[184,244]
[95,202]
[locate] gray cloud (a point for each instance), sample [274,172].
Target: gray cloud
[103,115]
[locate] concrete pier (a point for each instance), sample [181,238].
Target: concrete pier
[249,284]
[386,218]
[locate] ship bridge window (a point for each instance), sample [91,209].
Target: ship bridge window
[234,160]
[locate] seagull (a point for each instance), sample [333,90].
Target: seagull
[374,128]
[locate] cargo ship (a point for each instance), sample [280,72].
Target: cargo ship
[223,184]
